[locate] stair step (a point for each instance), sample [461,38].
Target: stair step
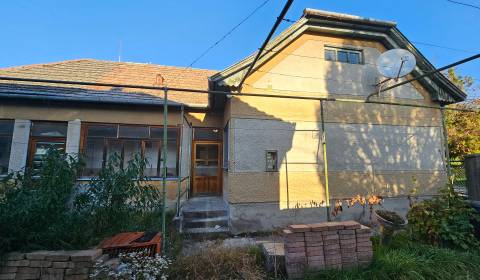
[204,214]
[207,230]
[206,222]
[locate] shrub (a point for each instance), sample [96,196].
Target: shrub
[445,220]
[120,199]
[34,210]
[216,262]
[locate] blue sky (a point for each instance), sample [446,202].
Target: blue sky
[176,32]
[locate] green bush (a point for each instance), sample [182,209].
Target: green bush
[34,211]
[120,199]
[48,209]
[445,220]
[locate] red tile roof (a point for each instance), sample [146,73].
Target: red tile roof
[99,71]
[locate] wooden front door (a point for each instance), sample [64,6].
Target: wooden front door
[206,168]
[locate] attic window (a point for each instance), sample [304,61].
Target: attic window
[343,55]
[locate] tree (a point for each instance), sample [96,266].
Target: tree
[463,128]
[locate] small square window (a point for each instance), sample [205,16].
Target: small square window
[271,161]
[342,56]
[330,55]
[353,58]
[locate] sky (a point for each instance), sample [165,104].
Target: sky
[177,32]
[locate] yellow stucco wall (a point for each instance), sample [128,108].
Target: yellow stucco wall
[300,70]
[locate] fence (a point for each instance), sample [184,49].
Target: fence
[459,177]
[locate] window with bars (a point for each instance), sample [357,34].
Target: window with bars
[6,133]
[101,141]
[343,55]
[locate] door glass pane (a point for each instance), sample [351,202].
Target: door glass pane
[127,131]
[212,152]
[201,152]
[131,148]
[50,129]
[152,154]
[94,156]
[206,170]
[42,148]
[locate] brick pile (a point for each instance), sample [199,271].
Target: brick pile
[52,265]
[330,245]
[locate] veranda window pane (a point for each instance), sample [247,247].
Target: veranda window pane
[114,147]
[50,129]
[6,127]
[207,134]
[127,131]
[152,155]
[41,150]
[330,55]
[5,144]
[157,132]
[102,130]
[131,148]
[94,156]
[171,159]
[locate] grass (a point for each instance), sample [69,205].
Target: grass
[405,259]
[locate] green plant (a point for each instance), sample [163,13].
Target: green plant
[34,206]
[445,220]
[121,198]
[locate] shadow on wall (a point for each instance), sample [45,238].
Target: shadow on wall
[372,149]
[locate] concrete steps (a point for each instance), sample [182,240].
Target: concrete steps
[205,216]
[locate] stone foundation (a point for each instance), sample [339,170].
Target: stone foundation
[330,245]
[52,265]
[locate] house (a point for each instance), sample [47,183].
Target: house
[263,158]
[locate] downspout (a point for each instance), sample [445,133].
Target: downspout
[325,161]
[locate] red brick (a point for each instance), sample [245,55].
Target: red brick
[365,244]
[363,229]
[315,253]
[331,237]
[331,247]
[331,242]
[346,231]
[363,239]
[329,232]
[309,239]
[335,226]
[294,244]
[295,250]
[347,241]
[299,228]
[348,250]
[351,225]
[347,236]
[317,265]
[319,227]
[316,258]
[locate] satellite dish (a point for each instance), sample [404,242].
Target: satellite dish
[396,63]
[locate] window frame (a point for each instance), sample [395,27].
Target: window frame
[32,140]
[11,142]
[344,49]
[84,137]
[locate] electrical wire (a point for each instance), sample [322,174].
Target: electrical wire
[464,4]
[216,43]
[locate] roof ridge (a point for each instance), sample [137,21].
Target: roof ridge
[49,64]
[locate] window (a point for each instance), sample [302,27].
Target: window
[6,132]
[43,137]
[101,141]
[271,161]
[343,55]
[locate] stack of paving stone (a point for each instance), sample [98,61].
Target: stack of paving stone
[330,245]
[49,265]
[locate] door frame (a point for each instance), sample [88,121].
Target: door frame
[220,169]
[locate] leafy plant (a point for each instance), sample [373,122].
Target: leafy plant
[34,206]
[445,220]
[121,199]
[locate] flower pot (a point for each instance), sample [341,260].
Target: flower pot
[387,228]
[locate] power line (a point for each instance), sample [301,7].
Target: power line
[464,4]
[207,50]
[442,47]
